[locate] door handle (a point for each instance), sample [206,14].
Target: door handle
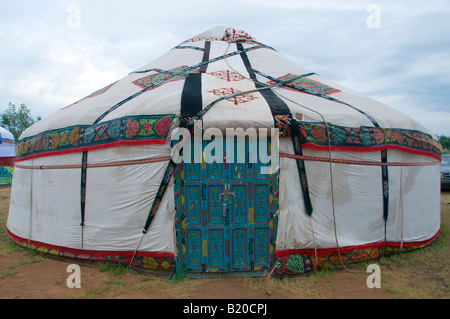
[228,193]
[224,205]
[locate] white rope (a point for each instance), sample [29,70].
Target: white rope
[314,241]
[134,254]
[331,172]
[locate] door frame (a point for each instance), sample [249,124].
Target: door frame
[180,224]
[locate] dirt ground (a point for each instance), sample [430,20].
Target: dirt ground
[30,276]
[46,278]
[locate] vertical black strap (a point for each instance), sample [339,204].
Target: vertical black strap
[302,175]
[159,195]
[282,116]
[205,59]
[385,180]
[191,104]
[180,73]
[191,97]
[83,192]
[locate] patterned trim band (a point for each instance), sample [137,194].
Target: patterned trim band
[301,261]
[148,129]
[306,85]
[158,262]
[155,80]
[360,139]
[287,262]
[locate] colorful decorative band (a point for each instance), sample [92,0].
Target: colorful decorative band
[152,261]
[306,85]
[291,262]
[7,161]
[361,139]
[155,80]
[7,141]
[189,47]
[6,174]
[145,129]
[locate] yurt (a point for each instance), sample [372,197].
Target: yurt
[163,169]
[7,156]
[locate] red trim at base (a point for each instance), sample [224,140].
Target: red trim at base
[67,250]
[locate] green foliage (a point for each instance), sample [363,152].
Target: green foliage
[16,120]
[445,142]
[114,268]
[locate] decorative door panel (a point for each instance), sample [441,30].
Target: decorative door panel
[216,243]
[262,246]
[239,249]
[261,203]
[193,204]
[215,204]
[225,217]
[194,249]
[238,204]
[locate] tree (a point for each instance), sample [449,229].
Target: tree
[445,142]
[16,120]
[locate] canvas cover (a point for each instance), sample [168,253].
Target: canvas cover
[7,143]
[7,156]
[123,133]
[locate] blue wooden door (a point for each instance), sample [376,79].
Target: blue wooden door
[225,219]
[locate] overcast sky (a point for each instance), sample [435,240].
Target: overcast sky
[53,53]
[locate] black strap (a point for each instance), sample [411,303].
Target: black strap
[384,172]
[318,94]
[191,97]
[283,119]
[162,189]
[191,104]
[83,192]
[205,59]
[385,181]
[185,71]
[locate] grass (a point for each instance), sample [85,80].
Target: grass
[422,273]
[302,286]
[115,268]
[6,246]
[9,270]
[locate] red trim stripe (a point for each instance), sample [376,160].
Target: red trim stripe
[369,149]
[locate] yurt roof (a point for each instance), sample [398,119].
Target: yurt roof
[228,72]
[5,134]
